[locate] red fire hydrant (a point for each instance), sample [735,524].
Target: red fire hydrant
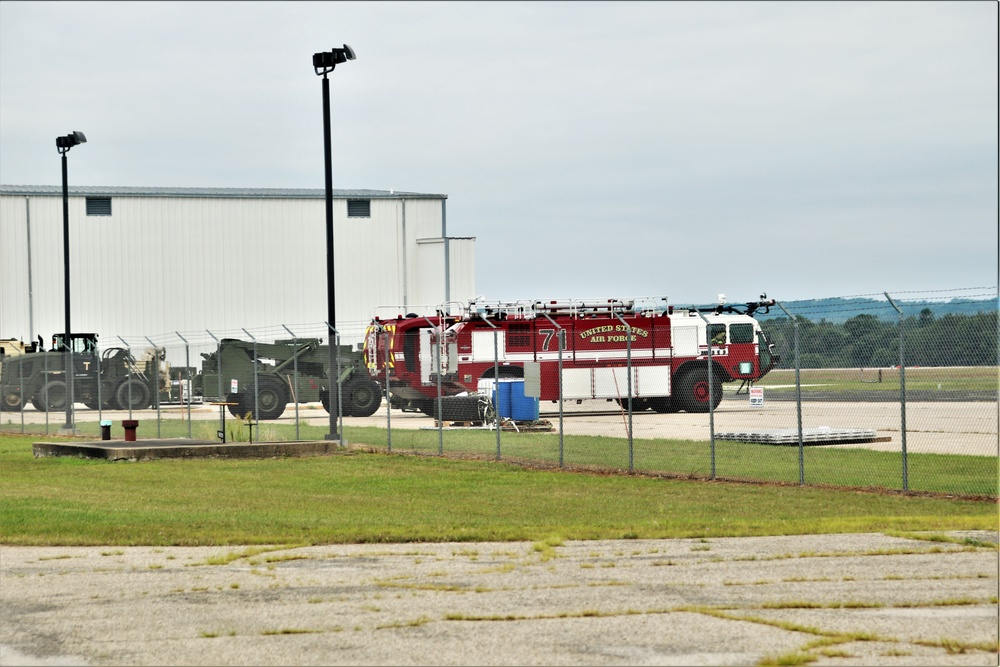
[130,425]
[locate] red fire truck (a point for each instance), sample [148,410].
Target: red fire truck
[607,346]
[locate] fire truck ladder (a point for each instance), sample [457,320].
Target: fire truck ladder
[567,307]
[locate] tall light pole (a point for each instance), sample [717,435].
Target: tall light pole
[63,144]
[324,63]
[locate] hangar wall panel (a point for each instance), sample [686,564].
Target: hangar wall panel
[158,265]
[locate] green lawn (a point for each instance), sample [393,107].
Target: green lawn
[838,466]
[372,497]
[841,466]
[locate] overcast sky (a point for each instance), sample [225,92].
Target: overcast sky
[594,149]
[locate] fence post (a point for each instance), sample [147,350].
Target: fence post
[187,367]
[902,391]
[156,385]
[336,419]
[100,397]
[256,410]
[295,374]
[798,392]
[128,375]
[437,368]
[24,399]
[438,360]
[496,379]
[340,394]
[436,363]
[561,338]
[388,394]
[628,366]
[70,376]
[218,371]
[338,432]
[711,393]
[45,392]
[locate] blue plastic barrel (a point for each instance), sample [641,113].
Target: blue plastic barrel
[503,403]
[523,408]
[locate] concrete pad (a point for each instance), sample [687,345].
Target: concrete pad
[140,450]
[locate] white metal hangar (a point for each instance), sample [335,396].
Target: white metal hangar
[148,261]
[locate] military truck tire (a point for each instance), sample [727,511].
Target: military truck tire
[324,399]
[109,402]
[132,395]
[51,397]
[272,398]
[362,397]
[12,400]
[235,406]
[693,390]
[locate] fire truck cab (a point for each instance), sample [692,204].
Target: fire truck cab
[600,349]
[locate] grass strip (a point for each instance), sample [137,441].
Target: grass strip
[838,466]
[370,498]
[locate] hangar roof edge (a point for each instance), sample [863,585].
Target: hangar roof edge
[262,193]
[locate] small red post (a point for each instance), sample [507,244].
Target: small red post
[130,425]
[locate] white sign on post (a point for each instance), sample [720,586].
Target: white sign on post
[756,397]
[234,386]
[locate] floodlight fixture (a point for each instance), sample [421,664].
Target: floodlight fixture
[74,138]
[325,61]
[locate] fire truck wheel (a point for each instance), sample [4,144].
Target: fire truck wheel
[664,404]
[271,399]
[12,400]
[694,390]
[363,397]
[132,394]
[638,404]
[51,397]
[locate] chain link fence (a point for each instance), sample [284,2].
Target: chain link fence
[894,391]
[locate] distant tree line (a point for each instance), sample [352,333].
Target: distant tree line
[868,341]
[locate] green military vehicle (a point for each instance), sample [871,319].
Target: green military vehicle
[287,371]
[110,379]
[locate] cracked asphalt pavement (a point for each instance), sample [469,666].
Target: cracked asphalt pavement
[845,599]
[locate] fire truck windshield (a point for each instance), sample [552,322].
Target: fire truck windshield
[741,333]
